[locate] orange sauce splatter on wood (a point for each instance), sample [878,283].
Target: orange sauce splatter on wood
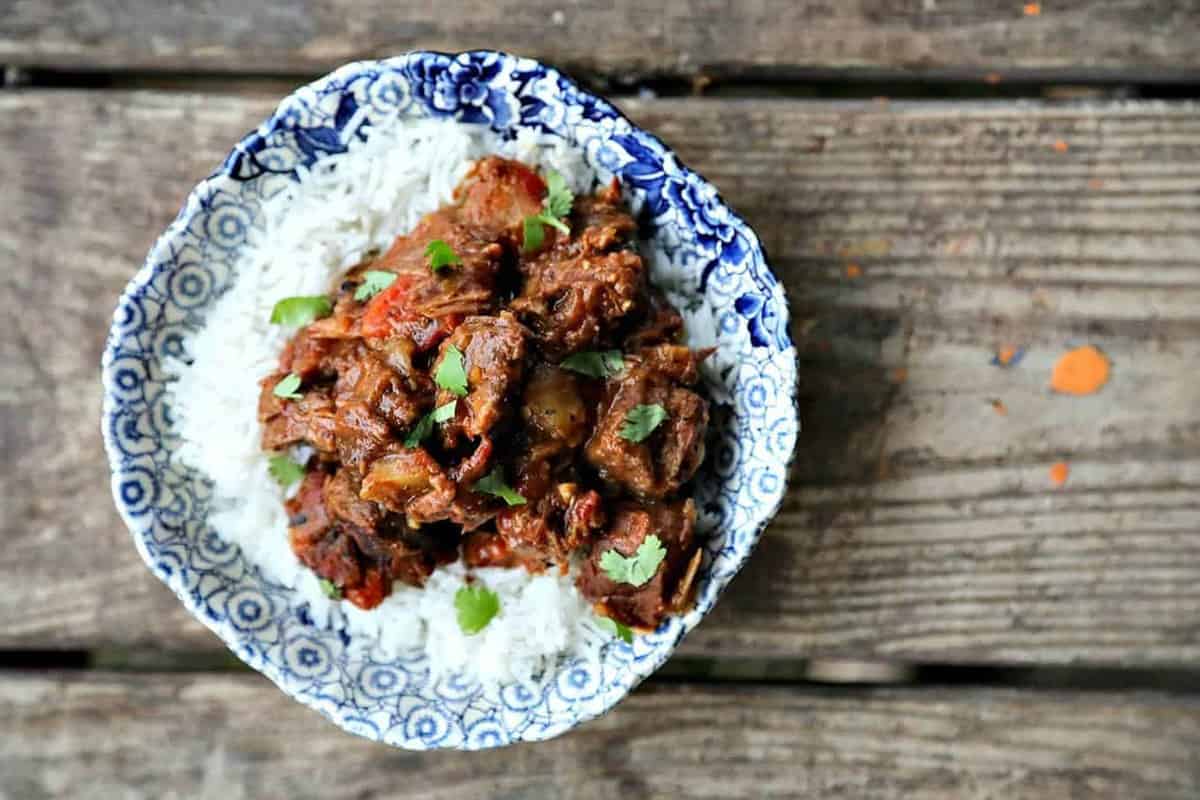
[1059,473]
[1082,371]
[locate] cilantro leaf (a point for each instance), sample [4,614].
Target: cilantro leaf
[554,222]
[595,363]
[559,196]
[297,311]
[284,470]
[493,484]
[374,282]
[476,605]
[555,206]
[441,255]
[425,427]
[619,631]
[638,568]
[534,235]
[641,421]
[451,374]
[286,388]
[331,589]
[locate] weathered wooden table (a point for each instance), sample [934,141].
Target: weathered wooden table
[930,616]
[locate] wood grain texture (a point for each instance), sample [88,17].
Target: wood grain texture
[921,524]
[233,737]
[1131,39]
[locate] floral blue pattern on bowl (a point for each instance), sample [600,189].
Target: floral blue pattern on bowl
[396,700]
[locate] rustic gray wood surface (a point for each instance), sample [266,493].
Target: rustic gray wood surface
[1131,39]
[213,737]
[921,525]
[915,241]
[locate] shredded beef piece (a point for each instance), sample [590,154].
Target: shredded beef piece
[657,466]
[493,350]
[671,588]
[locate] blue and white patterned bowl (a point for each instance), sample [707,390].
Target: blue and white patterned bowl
[396,700]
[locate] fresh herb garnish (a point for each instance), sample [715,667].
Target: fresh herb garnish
[622,632]
[441,255]
[284,470]
[555,207]
[493,484]
[559,196]
[638,568]
[534,235]
[374,282]
[451,375]
[641,421]
[331,589]
[595,363]
[297,311]
[286,388]
[425,427]
[476,605]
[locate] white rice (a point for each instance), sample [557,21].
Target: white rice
[312,231]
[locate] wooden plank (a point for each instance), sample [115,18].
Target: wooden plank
[209,735]
[1130,39]
[921,525]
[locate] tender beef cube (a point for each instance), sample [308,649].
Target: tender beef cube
[552,408]
[671,589]
[395,552]
[327,549]
[308,519]
[660,323]
[398,353]
[366,378]
[362,436]
[355,544]
[412,483]
[286,422]
[558,516]
[406,554]
[406,478]
[539,536]
[579,288]
[343,502]
[572,297]
[674,362]
[602,220]
[658,465]
[307,356]
[493,351]
[496,197]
